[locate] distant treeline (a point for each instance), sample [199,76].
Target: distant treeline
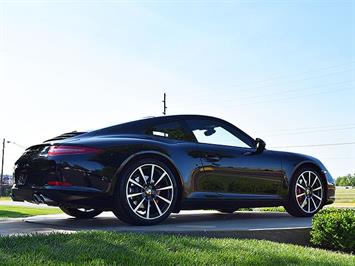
[348,180]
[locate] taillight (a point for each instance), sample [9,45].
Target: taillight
[58,183]
[70,150]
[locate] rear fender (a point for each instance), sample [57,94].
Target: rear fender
[149,154]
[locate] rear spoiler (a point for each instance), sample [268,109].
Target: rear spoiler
[65,136]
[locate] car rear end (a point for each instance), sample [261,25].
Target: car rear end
[61,175]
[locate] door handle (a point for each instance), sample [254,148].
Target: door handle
[212,158]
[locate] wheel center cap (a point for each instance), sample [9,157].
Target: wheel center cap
[308,191]
[148,191]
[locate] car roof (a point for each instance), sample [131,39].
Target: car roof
[176,117]
[137,126]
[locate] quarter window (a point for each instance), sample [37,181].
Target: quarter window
[172,130]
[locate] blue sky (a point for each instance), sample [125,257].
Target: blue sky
[280,70]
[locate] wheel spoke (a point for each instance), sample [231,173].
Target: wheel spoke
[138,206]
[317,197]
[309,178]
[142,174]
[315,180]
[301,186]
[304,180]
[135,182]
[300,195]
[304,202]
[315,206]
[152,174]
[156,205]
[309,205]
[135,194]
[164,188]
[148,209]
[318,188]
[160,178]
[164,199]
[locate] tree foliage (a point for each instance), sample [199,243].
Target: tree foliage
[348,180]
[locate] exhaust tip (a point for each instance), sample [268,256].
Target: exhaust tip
[37,199]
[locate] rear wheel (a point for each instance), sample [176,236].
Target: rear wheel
[227,210]
[146,193]
[306,196]
[81,213]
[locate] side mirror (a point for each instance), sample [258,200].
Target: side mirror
[259,145]
[209,132]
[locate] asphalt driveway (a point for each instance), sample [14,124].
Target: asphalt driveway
[274,226]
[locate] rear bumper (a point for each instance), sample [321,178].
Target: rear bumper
[62,196]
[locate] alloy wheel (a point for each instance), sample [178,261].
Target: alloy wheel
[149,191]
[309,191]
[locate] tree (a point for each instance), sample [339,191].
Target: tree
[348,180]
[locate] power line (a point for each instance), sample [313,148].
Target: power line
[304,89]
[298,96]
[311,131]
[316,145]
[18,145]
[243,104]
[292,78]
[303,72]
[306,78]
[318,127]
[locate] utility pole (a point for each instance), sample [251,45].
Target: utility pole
[164,107]
[2,165]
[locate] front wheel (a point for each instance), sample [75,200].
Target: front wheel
[146,193]
[306,195]
[81,213]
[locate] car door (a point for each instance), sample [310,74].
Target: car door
[232,168]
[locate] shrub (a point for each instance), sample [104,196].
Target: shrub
[334,229]
[272,209]
[6,190]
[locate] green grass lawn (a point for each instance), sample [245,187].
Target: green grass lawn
[18,211]
[343,195]
[110,248]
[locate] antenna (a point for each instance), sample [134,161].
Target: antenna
[164,107]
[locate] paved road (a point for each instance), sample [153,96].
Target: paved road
[261,225]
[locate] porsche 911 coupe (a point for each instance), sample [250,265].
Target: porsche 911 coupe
[144,170]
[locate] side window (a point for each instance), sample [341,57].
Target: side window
[172,130]
[211,132]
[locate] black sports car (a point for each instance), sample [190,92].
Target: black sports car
[146,169]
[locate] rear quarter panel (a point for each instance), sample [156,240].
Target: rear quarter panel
[117,153]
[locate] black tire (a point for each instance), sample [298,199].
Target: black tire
[227,210]
[81,214]
[128,209]
[294,205]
